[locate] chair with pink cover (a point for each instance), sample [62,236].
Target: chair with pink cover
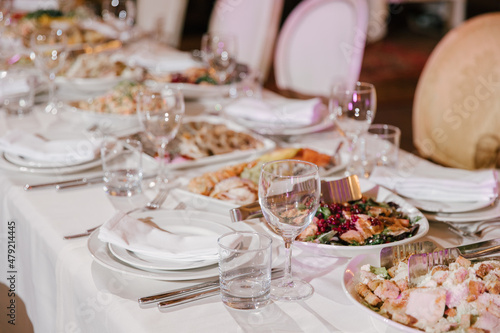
[321,41]
[254,23]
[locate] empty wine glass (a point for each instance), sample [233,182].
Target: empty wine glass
[219,53]
[353,110]
[50,50]
[121,15]
[289,192]
[161,112]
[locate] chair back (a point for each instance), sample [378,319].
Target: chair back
[255,24]
[163,16]
[321,41]
[456,108]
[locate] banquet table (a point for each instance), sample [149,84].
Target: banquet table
[66,290]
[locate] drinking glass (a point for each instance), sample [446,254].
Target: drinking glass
[161,112]
[121,15]
[289,192]
[50,49]
[353,110]
[219,53]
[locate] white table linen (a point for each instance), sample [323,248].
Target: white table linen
[65,290]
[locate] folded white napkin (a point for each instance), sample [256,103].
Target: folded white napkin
[291,112]
[159,60]
[66,152]
[137,236]
[435,183]
[100,27]
[12,87]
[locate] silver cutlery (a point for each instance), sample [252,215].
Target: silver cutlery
[156,203]
[190,294]
[421,263]
[471,230]
[391,255]
[83,181]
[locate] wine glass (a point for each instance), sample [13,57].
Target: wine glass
[121,15]
[219,53]
[289,192]
[50,50]
[353,110]
[160,112]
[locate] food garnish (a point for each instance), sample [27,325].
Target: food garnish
[360,222]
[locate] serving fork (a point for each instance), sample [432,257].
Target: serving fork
[421,263]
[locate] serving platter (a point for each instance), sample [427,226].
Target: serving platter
[267,145]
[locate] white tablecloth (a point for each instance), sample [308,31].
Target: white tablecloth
[65,290]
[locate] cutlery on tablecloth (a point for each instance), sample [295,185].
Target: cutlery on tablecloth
[82,181]
[339,190]
[190,294]
[420,264]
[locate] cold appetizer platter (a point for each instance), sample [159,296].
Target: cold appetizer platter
[460,297]
[236,184]
[195,82]
[364,226]
[206,140]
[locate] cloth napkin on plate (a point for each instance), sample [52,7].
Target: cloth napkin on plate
[291,112]
[159,60]
[13,87]
[66,152]
[137,236]
[435,183]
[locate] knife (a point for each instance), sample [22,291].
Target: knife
[420,264]
[63,182]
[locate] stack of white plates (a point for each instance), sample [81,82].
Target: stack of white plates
[180,222]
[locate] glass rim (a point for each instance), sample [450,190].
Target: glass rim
[391,130]
[291,160]
[253,233]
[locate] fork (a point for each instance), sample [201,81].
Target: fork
[477,230]
[156,203]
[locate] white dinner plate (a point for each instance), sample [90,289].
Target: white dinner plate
[285,129]
[487,213]
[89,85]
[349,282]
[379,194]
[450,207]
[8,165]
[30,163]
[267,145]
[194,91]
[101,253]
[177,222]
[108,123]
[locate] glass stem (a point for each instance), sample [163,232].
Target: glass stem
[52,89]
[162,174]
[287,278]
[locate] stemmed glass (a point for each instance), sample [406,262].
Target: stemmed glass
[353,110]
[289,192]
[219,53]
[50,50]
[160,112]
[121,15]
